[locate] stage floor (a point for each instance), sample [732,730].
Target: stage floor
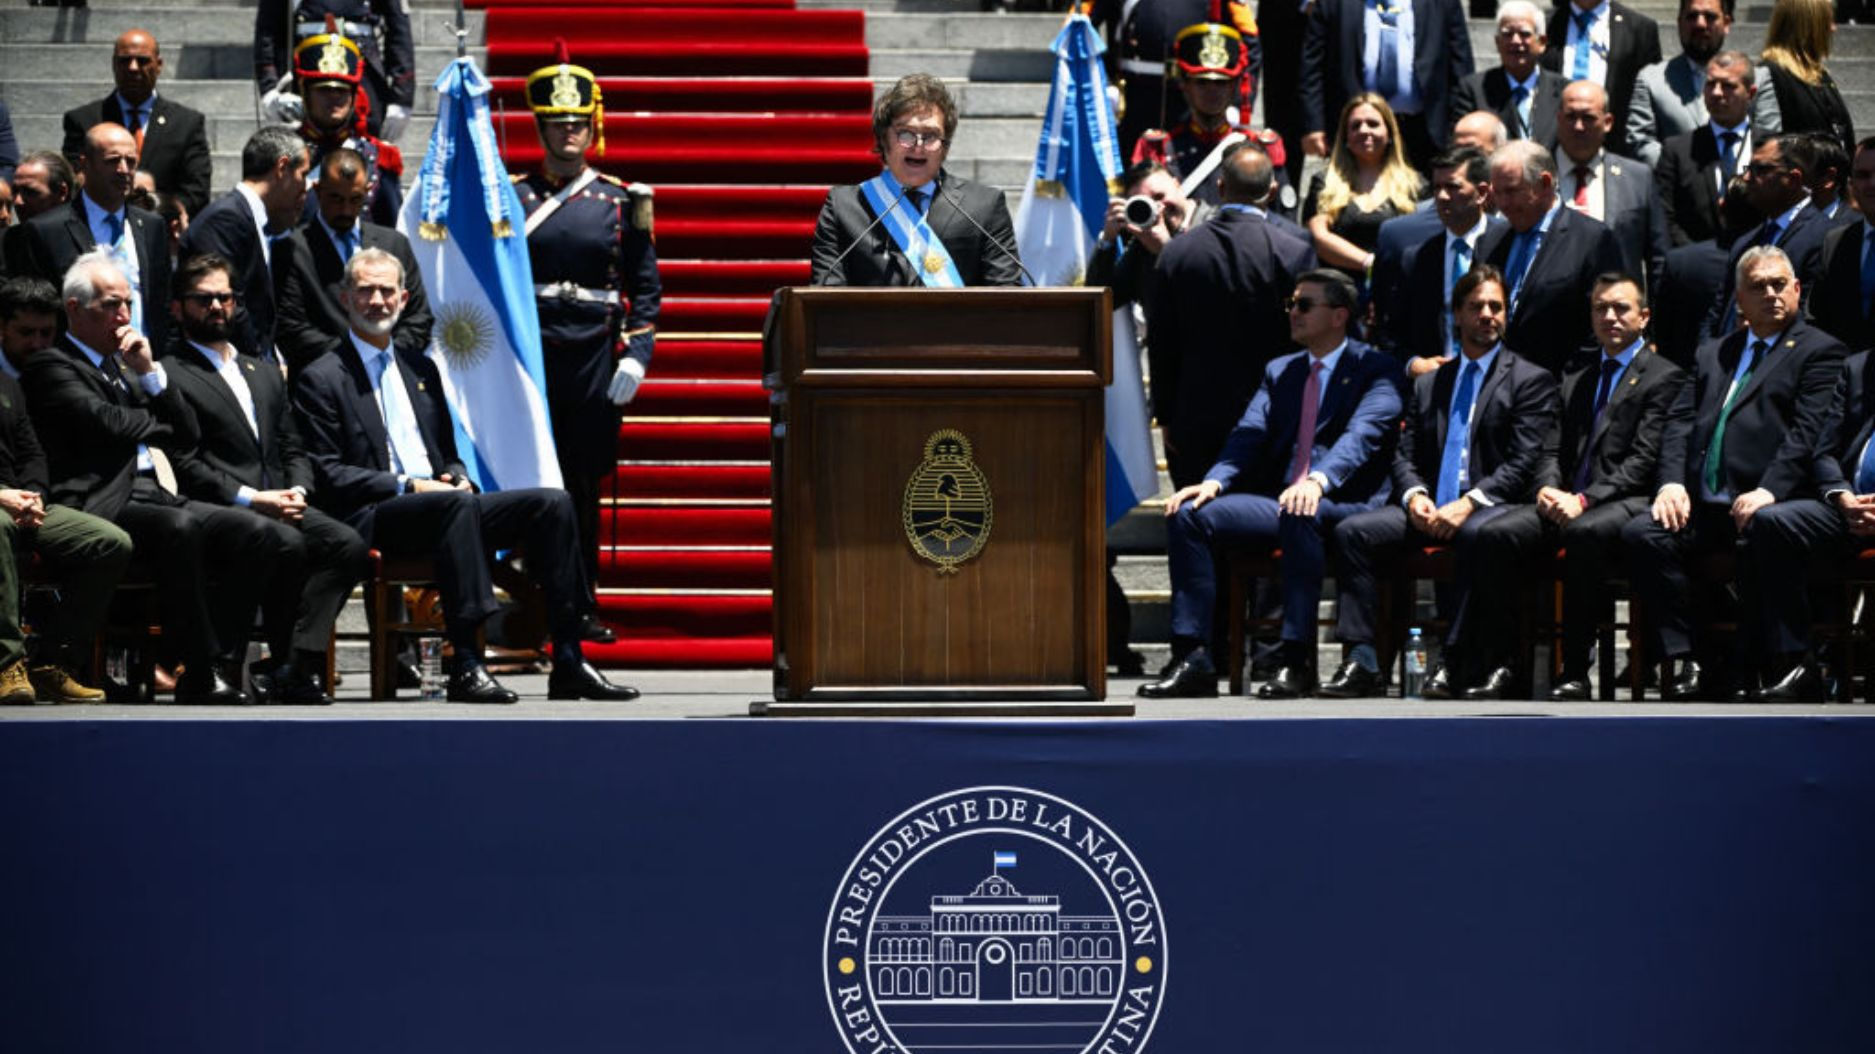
[703,694]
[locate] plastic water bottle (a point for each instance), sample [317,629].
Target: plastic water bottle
[430,669]
[1415,665]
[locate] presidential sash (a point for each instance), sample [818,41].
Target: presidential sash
[912,233]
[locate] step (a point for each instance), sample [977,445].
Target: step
[755,651]
[686,569]
[650,616]
[709,358]
[1016,32]
[712,314]
[699,398]
[693,440]
[638,480]
[729,277]
[718,148]
[989,64]
[173,25]
[187,61]
[676,525]
[716,94]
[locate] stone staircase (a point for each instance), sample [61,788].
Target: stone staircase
[54,58]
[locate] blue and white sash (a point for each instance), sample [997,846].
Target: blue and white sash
[912,234]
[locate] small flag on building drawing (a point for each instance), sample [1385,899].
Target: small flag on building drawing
[1004,859]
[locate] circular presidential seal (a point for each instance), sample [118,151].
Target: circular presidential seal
[995,919]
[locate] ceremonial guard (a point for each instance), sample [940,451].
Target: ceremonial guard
[596,282]
[389,81]
[1140,36]
[1211,64]
[328,68]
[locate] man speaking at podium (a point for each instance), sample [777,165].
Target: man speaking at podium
[915,224]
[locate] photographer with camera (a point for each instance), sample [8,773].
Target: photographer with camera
[1151,211]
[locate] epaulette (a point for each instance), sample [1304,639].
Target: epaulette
[642,197]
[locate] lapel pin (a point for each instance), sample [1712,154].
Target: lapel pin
[162,120]
[250,366]
[1790,343]
[1632,381]
[420,386]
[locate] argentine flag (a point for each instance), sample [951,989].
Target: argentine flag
[1064,205]
[464,222]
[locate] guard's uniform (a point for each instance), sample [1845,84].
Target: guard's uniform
[596,285]
[332,58]
[1207,51]
[380,29]
[1140,35]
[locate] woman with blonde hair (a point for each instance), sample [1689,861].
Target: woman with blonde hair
[1796,47]
[1366,182]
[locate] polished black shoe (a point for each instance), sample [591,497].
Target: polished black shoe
[593,631]
[1685,685]
[1353,681]
[472,683]
[1496,685]
[291,686]
[1128,663]
[1289,682]
[203,685]
[1803,684]
[580,681]
[1439,685]
[1192,677]
[1573,690]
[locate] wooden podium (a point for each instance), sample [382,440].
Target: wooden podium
[940,531]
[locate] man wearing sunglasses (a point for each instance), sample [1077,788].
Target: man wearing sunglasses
[915,224]
[248,456]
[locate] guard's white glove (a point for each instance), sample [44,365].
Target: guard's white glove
[395,118]
[625,381]
[282,104]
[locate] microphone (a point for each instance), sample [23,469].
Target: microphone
[870,227]
[991,238]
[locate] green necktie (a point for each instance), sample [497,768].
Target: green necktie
[1715,454]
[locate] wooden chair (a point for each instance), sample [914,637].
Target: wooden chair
[389,620]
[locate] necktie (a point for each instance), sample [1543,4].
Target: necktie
[1461,266]
[158,462]
[1728,155]
[114,223]
[1584,20]
[1865,473]
[1387,57]
[1583,175]
[407,452]
[1305,428]
[915,198]
[348,244]
[1520,99]
[1715,454]
[1609,368]
[1868,270]
[1522,252]
[1457,437]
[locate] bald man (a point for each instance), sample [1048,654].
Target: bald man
[1619,191]
[172,139]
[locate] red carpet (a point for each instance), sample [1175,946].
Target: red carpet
[740,113]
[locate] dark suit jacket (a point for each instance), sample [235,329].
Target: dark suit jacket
[1801,240]
[846,217]
[1355,428]
[1695,275]
[1215,318]
[91,428]
[1633,43]
[1419,329]
[1623,445]
[345,435]
[1837,303]
[1687,182]
[175,144]
[22,459]
[54,239]
[226,228]
[227,454]
[1850,426]
[1549,323]
[1386,286]
[1490,90]
[1778,420]
[1332,70]
[308,275]
[9,145]
[1512,413]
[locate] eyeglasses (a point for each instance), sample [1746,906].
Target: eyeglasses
[205,299]
[1765,168]
[907,138]
[1303,304]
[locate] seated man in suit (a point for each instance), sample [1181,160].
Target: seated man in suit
[1310,450]
[172,139]
[1549,256]
[1522,94]
[1468,453]
[105,411]
[1696,168]
[1597,473]
[248,455]
[311,270]
[384,461]
[99,217]
[85,555]
[1844,303]
[915,224]
[1742,437]
[1777,184]
[1424,335]
[238,226]
[1668,96]
[1616,190]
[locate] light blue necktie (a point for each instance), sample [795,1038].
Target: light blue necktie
[1461,266]
[1387,59]
[114,223]
[407,452]
[1522,252]
[1457,437]
[1584,20]
[1865,473]
[1520,98]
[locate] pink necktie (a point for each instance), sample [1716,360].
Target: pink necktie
[1305,429]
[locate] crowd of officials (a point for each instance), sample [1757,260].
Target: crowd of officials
[1589,305]
[230,399]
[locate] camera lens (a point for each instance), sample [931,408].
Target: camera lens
[1141,211]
